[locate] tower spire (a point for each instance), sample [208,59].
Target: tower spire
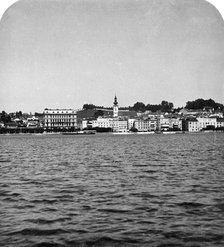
[115,100]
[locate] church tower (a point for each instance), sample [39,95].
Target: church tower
[115,107]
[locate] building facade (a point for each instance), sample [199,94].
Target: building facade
[33,122]
[202,123]
[60,118]
[119,125]
[220,123]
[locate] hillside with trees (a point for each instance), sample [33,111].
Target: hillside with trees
[201,103]
[165,106]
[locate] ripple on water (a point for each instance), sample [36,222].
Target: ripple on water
[109,190]
[38,232]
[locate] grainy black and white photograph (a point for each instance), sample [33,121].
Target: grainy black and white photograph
[112,124]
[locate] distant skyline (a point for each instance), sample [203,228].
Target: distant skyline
[63,54]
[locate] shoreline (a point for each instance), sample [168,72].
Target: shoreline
[110,133]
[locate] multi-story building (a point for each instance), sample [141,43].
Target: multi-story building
[145,124]
[200,123]
[169,123]
[119,125]
[60,118]
[204,122]
[89,124]
[142,124]
[33,122]
[104,122]
[115,124]
[131,123]
[220,123]
[191,125]
[175,123]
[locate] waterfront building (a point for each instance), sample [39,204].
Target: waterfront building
[175,123]
[204,122]
[60,118]
[119,125]
[33,122]
[104,122]
[191,125]
[145,124]
[116,124]
[142,125]
[169,122]
[220,123]
[89,124]
[153,124]
[162,123]
[131,123]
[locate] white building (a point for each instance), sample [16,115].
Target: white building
[220,123]
[200,123]
[166,123]
[33,122]
[192,125]
[89,124]
[131,123]
[142,125]
[104,122]
[119,125]
[145,125]
[60,118]
[206,121]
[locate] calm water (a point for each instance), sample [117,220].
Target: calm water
[112,190]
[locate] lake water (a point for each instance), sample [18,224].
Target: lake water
[112,190]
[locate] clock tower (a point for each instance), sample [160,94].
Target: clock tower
[115,107]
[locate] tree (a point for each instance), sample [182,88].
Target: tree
[88,106]
[19,114]
[153,108]
[170,105]
[5,118]
[166,106]
[139,106]
[201,103]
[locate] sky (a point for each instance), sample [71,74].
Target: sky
[63,54]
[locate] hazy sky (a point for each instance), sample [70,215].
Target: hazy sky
[64,53]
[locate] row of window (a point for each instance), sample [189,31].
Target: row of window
[55,125]
[56,121]
[61,116]
[57,112]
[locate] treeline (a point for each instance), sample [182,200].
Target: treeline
[164,106]
[201,103]
[92,107]
[7,117]
[138,107]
